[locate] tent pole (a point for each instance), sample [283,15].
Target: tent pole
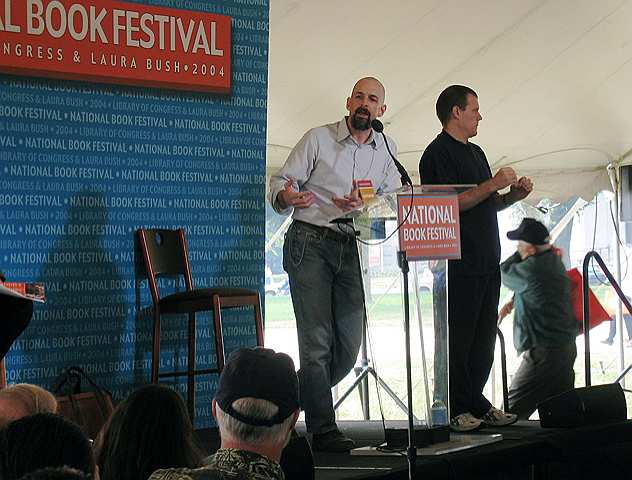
[613,174]
[566,219]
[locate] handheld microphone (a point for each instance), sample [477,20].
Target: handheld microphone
[379,128]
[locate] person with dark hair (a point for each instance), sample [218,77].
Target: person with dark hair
[57,473]
[544,326]
[318,183]
[150,429]
[16,315]
[40,441]
[474,280]
[256,407]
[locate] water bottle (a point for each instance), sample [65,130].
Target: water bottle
[438,413]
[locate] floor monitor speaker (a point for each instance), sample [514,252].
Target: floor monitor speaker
[584,406]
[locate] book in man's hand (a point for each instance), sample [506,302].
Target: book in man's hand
[29,291]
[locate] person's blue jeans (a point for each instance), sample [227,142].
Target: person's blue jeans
[326,287]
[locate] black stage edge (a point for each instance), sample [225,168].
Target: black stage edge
[526,452]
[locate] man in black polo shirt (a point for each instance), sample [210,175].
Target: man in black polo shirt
[473,281]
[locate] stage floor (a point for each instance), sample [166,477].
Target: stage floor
[527,451]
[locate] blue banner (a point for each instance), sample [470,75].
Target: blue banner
[84,166]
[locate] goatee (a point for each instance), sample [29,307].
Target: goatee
[361,123]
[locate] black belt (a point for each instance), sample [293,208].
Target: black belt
[325,232]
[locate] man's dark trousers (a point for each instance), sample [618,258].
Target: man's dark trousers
[472,323]
[545,371]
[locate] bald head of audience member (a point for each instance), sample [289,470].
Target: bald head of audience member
[23,399]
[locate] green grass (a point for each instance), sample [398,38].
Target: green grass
[385,323]
[279,312]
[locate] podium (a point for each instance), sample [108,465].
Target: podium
[422,226]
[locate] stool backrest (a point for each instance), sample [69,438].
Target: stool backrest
[165,252]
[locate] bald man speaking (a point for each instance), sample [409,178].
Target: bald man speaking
[317,183]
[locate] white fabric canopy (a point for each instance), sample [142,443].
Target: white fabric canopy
[553,78]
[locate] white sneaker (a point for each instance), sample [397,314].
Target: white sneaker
[497,418]
[465,422]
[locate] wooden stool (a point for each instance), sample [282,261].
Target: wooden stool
[250,297]
[165,252]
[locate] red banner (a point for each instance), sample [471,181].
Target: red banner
[116,42]
[430,228]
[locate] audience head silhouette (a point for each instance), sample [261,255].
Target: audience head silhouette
[148,430]
[43,440]
[257,401]
[256,407]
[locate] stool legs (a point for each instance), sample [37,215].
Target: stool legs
[191,349]
[258,321]
[219,334]
[191,368]
[219,302]
[155,351]
[3,374]
[253,300]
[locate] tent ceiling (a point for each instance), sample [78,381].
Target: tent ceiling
[553,78]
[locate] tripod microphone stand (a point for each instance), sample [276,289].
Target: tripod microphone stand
[364,369]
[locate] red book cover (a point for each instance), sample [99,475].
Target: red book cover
[32,291]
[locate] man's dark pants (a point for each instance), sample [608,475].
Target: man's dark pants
[439,309]
[328,299]
[545,371]
[472,320]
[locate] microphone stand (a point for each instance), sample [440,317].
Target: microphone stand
[379,128]
[402,260]
[400,168]
[411,450]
